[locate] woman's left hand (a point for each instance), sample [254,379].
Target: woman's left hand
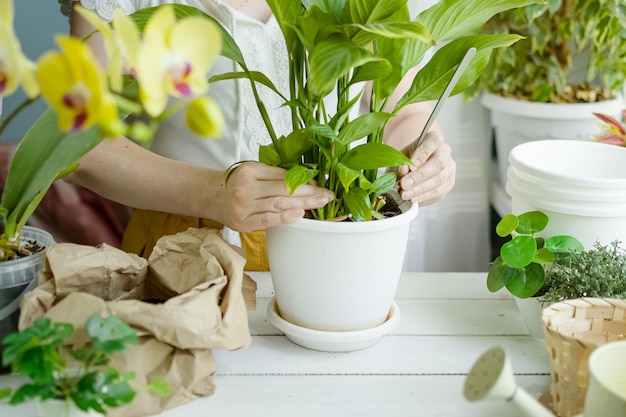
[435,174]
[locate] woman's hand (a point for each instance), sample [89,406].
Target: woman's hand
[255,197]
[435,174]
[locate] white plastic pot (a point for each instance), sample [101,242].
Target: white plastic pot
[338,276]
[580,185]
[520,121]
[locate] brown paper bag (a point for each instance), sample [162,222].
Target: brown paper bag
[198,278]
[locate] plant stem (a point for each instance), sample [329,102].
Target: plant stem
[15,112]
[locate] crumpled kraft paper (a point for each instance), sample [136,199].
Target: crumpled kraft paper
[187,299]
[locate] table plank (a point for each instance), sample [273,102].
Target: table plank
[432,317]
[344,396]
[401,355]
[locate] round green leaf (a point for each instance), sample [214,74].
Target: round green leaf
[518,252]
[526,281]
[543,256]
[564,244]
[499,274]
[506,225]
[532,222]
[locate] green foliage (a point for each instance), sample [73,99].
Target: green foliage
[38,353]
[520,266]
[599,272]
[559,35]
[335,45]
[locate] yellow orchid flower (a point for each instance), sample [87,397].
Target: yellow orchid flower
[73,83]
[175,58]
[205,118]
[121,45]
[15,68]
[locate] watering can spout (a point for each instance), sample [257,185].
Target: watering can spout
[491,378]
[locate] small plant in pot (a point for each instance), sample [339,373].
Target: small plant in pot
[570,64]
[65,379]
[86,104]
[521,266]
[334,49]
[545,271]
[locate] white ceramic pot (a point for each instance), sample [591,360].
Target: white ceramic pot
[519,121]
[338,276]
[531,309]
[60,408]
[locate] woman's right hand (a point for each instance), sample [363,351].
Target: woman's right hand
[255,197]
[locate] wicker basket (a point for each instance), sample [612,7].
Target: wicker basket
[573,329]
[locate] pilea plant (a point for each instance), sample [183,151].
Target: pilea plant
[522,261]
[80,375]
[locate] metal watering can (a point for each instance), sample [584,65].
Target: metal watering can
[491,378]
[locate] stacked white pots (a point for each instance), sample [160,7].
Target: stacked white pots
[580,185]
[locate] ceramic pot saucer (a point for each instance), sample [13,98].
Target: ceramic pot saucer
[332,341]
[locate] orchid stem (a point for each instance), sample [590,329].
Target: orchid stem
[15,112]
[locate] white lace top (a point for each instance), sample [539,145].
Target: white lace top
[263,48]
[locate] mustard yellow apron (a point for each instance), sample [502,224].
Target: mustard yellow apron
[146,227]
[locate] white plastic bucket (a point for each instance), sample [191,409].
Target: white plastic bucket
[580,185]
[521,121]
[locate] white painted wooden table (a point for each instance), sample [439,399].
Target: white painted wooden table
[447,321]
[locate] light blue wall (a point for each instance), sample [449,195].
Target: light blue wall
[36,23]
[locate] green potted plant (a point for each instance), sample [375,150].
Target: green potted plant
[65,380]
[86,104]
[538,271]
[570,64]
[333,47]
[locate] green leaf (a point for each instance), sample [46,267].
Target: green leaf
[159,386]
[392,30]
[331,59]
[371,71]
[384,183]
[256,76]
[499,274]
[507,225]
[543,256]
[527,281]
[369,11]
[374,156]
[518,252]
[564,244]
[358,203]
[269,156]
[346,175]
[532,222]
[362,126]
[298,175]
[29,392]
[433,78]
[451,19]
[111,334]
[5,393]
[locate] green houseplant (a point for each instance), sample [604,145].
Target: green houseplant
[334,47]
[88,103]
[521,266]
[570,64]
[78,376]
[573,51]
